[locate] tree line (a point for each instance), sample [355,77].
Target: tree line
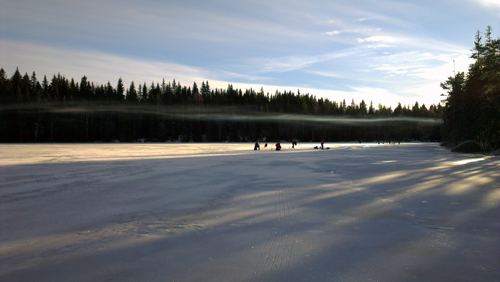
[40,111]
[472,104]
[28,89]
[62,110]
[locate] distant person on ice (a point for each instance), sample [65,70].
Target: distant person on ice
[322,142]
[278,146]
[257,146]
[294,143]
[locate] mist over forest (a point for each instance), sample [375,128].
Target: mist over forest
[62,110]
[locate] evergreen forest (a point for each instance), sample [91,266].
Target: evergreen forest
[62,110]
[472,104]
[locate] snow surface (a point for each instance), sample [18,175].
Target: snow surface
[224,212]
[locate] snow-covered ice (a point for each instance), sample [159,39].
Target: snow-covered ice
[224,212]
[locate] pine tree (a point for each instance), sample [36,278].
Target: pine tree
[85,89]
[398,111]
[196,95]
[54,89]
[132,93]
[45,89]
[205,91]
[371,110]
[110,93]
[416,110]
[16,81]
[144,91]
[362,108]
[5,87]
[120,90]
[26,88]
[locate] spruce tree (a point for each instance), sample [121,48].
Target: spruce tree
[120,90]
[132,93]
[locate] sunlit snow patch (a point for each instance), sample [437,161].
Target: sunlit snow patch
[468,161]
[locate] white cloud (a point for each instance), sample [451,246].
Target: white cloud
[337,32]
[381,40]
[289,63]
[410,42]
[445,69]
[422,64]
[418,73]
[380,46]
[396,69]
[388,39]
[99,67]
[326,74]
[380,95]
[334,32]
[229,74]
[488,3]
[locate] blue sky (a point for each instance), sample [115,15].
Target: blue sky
[381,51]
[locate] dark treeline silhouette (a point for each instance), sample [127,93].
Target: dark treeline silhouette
[472,106]
[62,110]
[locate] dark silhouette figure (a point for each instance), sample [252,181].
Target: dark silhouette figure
[257,146]
[278,146]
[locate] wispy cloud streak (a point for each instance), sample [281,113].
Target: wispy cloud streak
[290,63]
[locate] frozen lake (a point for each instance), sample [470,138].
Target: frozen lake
[224,212]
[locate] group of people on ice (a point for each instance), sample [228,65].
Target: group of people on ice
[278,145]
[322,146]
